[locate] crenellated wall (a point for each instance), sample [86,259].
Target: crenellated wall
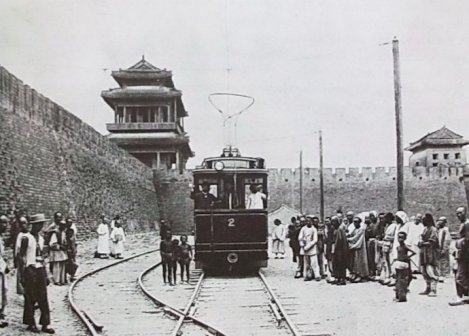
[52,161]
[435,190]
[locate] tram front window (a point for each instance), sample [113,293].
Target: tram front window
[256,198]
[229,192]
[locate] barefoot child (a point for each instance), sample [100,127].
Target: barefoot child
[166,258]
[402,266]
[185,257]
[175,253]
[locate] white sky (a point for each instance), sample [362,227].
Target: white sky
[309,64]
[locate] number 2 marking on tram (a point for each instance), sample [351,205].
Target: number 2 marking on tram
[231,222]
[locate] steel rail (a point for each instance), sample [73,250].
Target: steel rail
[190,304]
[181,315]
[274,298]
[82,315]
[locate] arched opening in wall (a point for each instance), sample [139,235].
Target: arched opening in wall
[340,180]
[417,163]
[367,179]
[313,180]
[420,177]
[393,178]
[286,180]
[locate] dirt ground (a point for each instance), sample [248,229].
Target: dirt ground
[63,319]
[319,308]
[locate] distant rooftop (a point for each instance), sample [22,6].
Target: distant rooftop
[439,138]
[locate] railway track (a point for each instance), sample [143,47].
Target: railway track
[238,305]
[241,305]
[109,301]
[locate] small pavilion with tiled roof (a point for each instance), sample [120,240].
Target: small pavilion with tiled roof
[149,116]
[442,147]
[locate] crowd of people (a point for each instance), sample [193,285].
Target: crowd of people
[174,252]
[389,248]
[33,246]
[45,253]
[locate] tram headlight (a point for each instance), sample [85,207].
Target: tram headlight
[232,258]
[219,166]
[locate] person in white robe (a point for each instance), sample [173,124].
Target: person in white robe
[103,239]
[415,232]
[279,234]
[117,239]
[308,239]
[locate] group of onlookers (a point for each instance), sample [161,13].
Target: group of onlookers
[33,245]
[174,251]
[389,248]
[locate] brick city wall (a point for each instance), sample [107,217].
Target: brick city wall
[435,190]
[52,161]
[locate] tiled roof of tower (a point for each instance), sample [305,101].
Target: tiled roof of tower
[440,137]
[142,71]
[143,65]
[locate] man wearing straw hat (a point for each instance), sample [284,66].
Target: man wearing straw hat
[35,276]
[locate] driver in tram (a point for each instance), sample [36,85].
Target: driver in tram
[203,199]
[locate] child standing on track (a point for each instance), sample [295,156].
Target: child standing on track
[402,266]
[175,253]
[185,257]
[166,258]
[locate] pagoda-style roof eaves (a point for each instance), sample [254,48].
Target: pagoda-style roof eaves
[140,92]
[439,138]
[126,74]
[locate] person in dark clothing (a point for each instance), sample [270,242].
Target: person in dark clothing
[166,258]
[35,277]
[429,255]
[300,258]
[370,238]
[204,199]
[320,246]
[185,257]
[461,276]
[340,257]
[175,254]
[329,242]
[293,232]
[15,227]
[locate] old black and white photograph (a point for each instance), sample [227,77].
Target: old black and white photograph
[234,168]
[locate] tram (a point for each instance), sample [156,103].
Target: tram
[230,211]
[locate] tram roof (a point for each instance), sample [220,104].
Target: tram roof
[232,164]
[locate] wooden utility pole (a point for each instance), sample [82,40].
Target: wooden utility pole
[321,178]
[399,137]
[301,182]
